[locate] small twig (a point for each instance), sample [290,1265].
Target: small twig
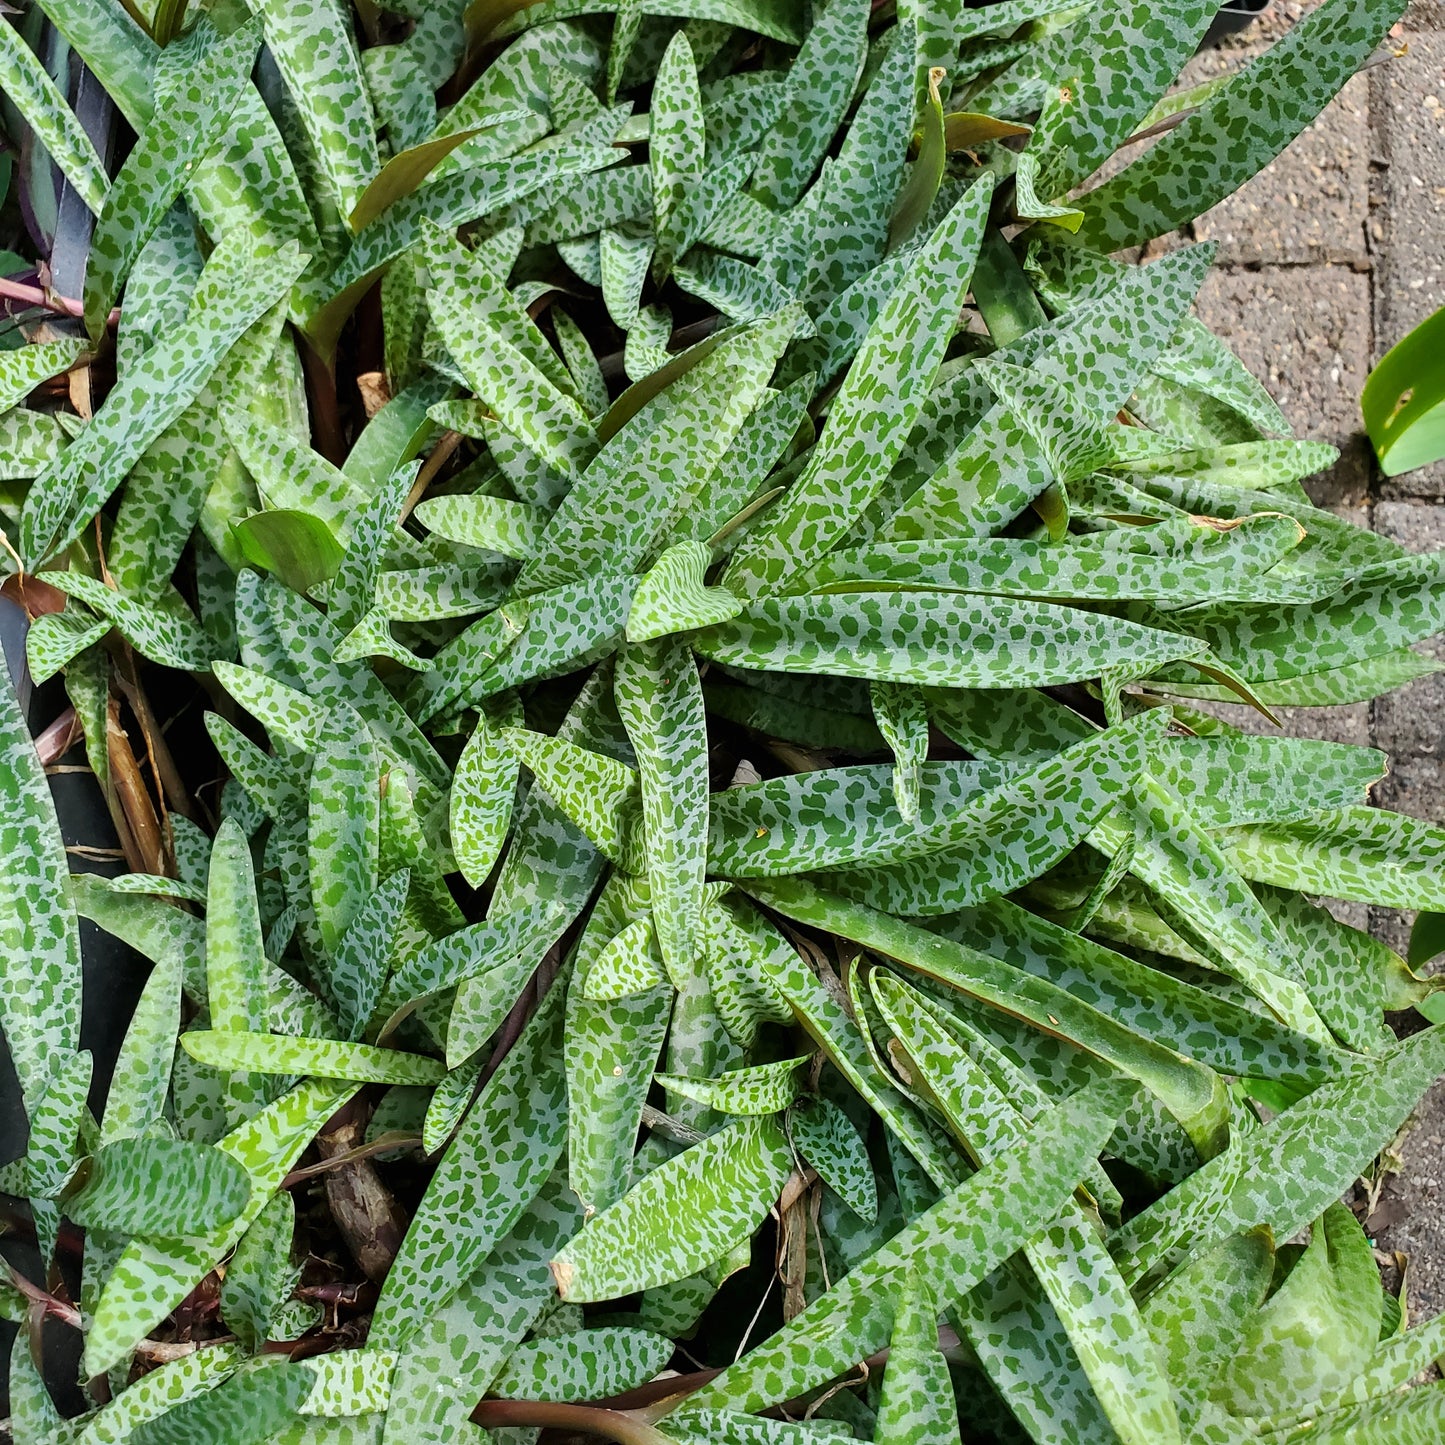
[380,1145]
[347,1292]
[58,1309]
[439,457]
[670,1128]
[135,801]
[38,296]
[163,764]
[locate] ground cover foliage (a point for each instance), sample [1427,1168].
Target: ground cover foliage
[725,920]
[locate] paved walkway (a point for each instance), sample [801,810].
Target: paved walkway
[1325,260]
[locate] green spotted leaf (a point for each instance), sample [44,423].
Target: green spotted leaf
[1068,1259]
[29,88]
[825,1138]
[149,1280]
[915,1405]
[316,54]
[350,1383]
[167,634]
[343,824]
[24,368]
[1239,130]
[728,1427]
[659,699]
[56,639]
[454,1355]
[449,1103]
[597,792]
[483,790]
[39,936]
[722,1186]
[849,817]
[876,406]
[55,1121]
[323,1058]
[508,380]
[1192,877]
[759,1089]
[629,964]
[152,393]
[1206,565]
[588,1365]
[1112,77]
[612,1044]
[477,949]
[250,1407]
[1199,1314]
[33,1416]
[1193,1093]
[1377,857]
[1285,1174]
[401,175]
[260,1275]
[935,638]
[136,1102]
[289,475]
[198,81]
[674,596]
[1315,1332]
[492,1169]
[819,85]
[676,140]
[664,439]
[493,523]
[167,1386]
[159,1187]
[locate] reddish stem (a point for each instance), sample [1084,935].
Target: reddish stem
[58,738]
[38,296]
[590,1419]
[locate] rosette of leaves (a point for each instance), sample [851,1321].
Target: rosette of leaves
[722,843]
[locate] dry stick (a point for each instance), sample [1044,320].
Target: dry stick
[370,1220]
[325,409]
[143,844]
[440,454]
[163,763]
[168,838]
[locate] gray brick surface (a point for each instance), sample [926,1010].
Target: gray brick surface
[1334,724]
[1305,332]
[1408,228]
[1413,1209]
[1311,203]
